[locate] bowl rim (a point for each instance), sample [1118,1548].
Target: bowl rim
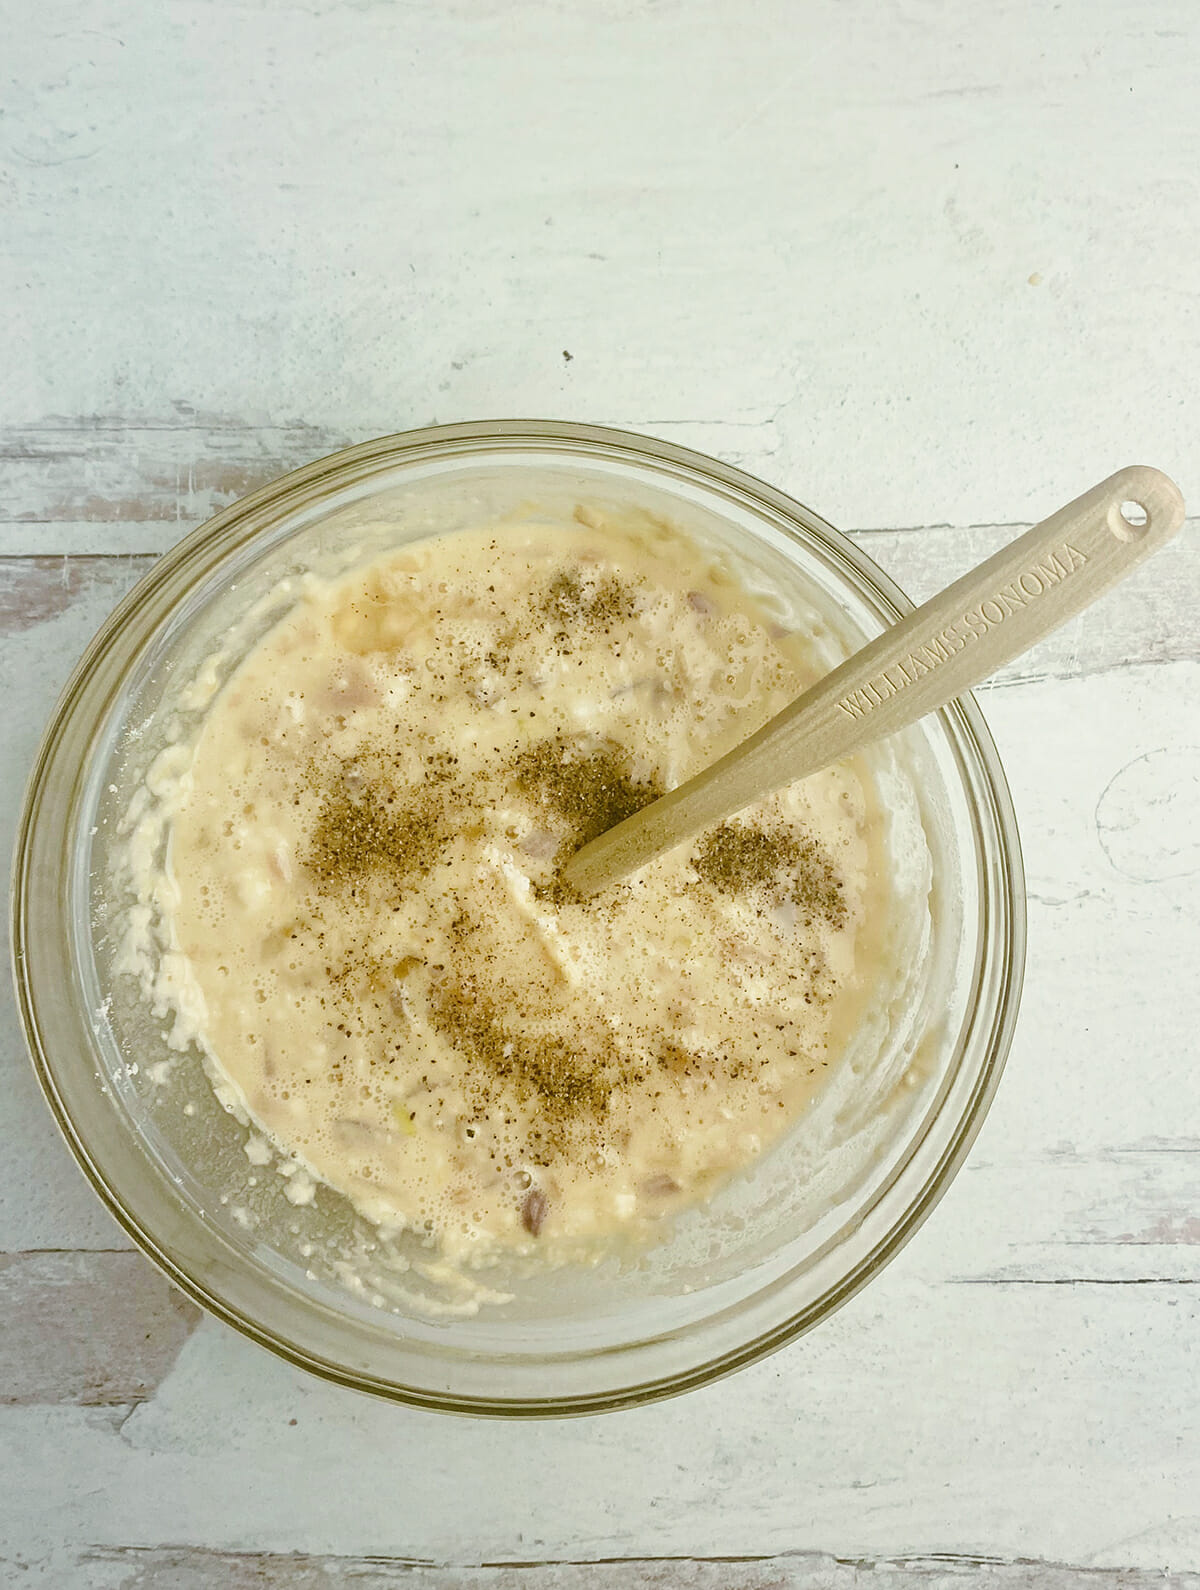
[215,539]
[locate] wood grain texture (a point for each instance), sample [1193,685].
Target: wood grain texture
[105,470]
[1003,1420]
[1152,619]
[937,263]
[34,590]
[45,1202]
[91,1328]
[175,1568]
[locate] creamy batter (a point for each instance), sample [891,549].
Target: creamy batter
[389,978]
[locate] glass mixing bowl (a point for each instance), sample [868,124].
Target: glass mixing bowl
[777,1250]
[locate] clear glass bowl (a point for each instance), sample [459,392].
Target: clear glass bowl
[774,1253]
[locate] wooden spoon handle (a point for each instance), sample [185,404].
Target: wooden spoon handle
[954,640]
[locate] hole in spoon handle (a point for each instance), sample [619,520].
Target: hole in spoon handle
[1149,501]
[1130,522]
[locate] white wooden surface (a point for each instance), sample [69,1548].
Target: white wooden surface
[931,267]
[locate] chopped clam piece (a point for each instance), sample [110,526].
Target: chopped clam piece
[660,1186]
[541,844]
[534,1211]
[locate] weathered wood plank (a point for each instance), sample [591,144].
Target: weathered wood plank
[44,1200]
[91,1328]
[100,470]
[1152,618]
[193,1568]
[96,483]
[1045,1422]
[1087,1213]
[916,306]
[34,590]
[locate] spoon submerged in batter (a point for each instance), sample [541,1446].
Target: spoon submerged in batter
[947,645]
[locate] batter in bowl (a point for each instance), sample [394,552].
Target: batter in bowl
[381,966]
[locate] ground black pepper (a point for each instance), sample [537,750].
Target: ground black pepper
[589,787]
[575,599]
[739,858]
[570,1084]
[364,828]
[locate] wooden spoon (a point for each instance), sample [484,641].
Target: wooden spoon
[950,643]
